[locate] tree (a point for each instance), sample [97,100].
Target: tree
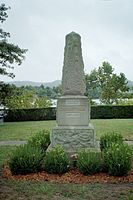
[9,53]
[57,90]
[92,85]
[41,91]
[26,99]
[42,102]
[109,86]
[5,91]
[50,93]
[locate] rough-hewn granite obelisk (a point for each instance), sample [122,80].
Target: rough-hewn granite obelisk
[73,130]
[73,80]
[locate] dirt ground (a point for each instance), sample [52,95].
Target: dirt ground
[72,176]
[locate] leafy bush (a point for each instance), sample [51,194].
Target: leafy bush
[40,140]
[89,162]
[118,159]
[107,140]
[56,161]
[26,159]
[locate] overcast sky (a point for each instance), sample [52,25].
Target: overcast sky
[105,26]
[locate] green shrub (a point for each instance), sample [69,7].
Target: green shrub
[107,140]
[118,159]
[26,159]
[89,162]
[40,140]
[56,161]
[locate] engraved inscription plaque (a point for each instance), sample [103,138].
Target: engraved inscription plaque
[72,114]
[74,109]
[73,102]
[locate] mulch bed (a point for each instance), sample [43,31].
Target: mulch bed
[73,176]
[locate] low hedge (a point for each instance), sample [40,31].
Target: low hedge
[97,112]
[30,114]
[111,111]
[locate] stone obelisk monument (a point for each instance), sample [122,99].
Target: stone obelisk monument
[73,131]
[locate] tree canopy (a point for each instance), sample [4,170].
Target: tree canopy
[10,54]
[109,85]
[26,98]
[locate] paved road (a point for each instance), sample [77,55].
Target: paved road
[18,142]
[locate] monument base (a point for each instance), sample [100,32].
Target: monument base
[73,110]
[73,138]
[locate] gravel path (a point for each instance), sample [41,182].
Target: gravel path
[12,143]
[18,142]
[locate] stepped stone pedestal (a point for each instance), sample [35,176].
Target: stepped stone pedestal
[74,131]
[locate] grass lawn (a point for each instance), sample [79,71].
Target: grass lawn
[32,190]
[23,130]
[5,152]
[122,126]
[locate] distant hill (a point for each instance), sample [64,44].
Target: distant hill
[25,83]
[47,84]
